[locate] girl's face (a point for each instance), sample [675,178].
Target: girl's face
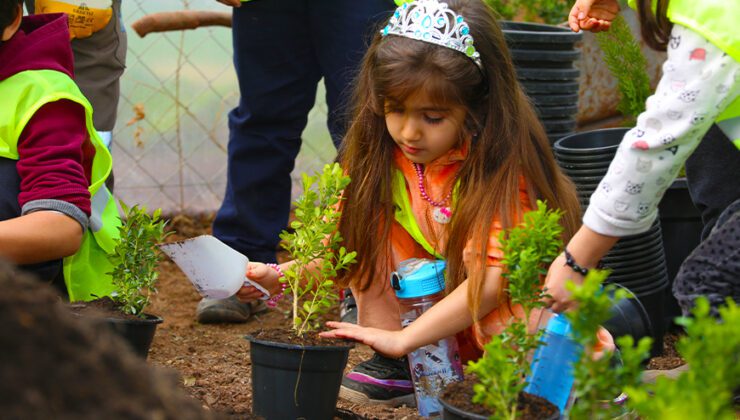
[422,129]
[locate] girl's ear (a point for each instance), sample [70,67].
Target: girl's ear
[11,29]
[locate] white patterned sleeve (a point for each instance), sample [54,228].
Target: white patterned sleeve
[699,81]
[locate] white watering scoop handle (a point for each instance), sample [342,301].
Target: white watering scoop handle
[216,270]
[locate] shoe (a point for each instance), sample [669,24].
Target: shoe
[379,381]
[348,308]
[229,310]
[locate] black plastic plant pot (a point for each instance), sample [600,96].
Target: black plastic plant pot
[538,36]
[587,143]
[538,58]
[560,124]
[560,88]
[596,158]
[291,381]
[681,223]
[575,166]
[547,74]
[556,111]
[556,99]
[451,412]
[629,317]
[138,333]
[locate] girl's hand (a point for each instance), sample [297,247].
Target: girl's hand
[593,15]
[557,276]
[265,276]
[388,343]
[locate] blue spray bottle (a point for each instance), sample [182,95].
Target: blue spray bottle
[551,374]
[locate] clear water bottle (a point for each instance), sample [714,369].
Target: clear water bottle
[419,284]
[552,364]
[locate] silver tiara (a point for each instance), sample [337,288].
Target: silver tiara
[433,22]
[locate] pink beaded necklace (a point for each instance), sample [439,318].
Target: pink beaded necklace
[441,213]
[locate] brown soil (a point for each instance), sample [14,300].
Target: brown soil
[101,308]
[55,365]
[213,360]
[529,407]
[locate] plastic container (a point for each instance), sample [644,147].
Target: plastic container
[419,284]
[552,363]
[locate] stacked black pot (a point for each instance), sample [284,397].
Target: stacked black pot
[544,57]
[637,262]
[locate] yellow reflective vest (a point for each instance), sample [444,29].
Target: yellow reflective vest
[715,20]
[86,273]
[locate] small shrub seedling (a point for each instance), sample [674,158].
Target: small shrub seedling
[599,381]
[135,258]
[314,246]
[529,249]
[711,347]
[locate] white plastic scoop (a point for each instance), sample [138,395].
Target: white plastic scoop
[216,270]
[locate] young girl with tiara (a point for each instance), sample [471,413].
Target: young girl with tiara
[444,152]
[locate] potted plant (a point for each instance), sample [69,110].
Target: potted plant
[134,276]
[296,374]
[497,390]
[711,348]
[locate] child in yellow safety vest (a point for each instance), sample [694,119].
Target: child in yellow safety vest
[52,160]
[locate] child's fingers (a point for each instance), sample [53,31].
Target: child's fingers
[342,330]
[256,271]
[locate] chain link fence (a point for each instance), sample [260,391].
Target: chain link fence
[169,144]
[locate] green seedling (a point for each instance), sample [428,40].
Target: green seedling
[135,258]
[315,248]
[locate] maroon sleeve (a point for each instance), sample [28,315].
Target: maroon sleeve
[55,156]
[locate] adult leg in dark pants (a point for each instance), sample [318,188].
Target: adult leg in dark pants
[281,51]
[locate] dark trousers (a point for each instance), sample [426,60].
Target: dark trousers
[281,51]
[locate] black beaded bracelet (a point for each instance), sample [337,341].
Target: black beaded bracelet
[571,262]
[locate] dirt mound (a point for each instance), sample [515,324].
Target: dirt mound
[54,365]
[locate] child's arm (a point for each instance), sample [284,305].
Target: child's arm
[39,236]
[446,318]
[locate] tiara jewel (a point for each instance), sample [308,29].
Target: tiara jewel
[433,22]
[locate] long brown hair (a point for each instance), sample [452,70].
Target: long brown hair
[654,25]
[510,142]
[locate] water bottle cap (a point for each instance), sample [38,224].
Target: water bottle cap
[427,280]
[559,325]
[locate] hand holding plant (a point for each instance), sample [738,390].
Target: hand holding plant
[135,258]
[599,381]
[314,246]
[528,249]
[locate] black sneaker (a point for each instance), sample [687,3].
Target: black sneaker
[381,381]
[348,308]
